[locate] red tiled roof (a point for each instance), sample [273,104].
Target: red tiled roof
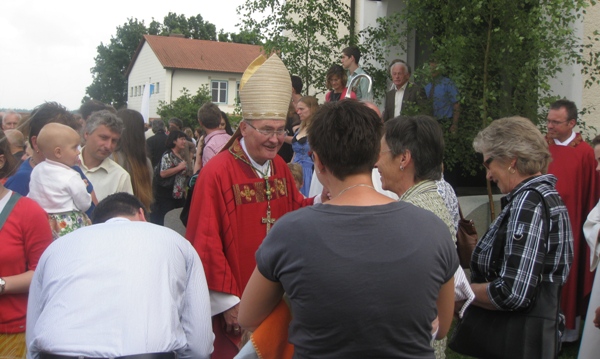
[206,55]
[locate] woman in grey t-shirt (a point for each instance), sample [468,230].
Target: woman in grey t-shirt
[365,275]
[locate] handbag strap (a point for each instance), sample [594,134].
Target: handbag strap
[496,262]
[460,212]
[8,208]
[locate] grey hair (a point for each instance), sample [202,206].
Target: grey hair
[12,112]
[106,118]
[158,125]
[400,62]
[515,137]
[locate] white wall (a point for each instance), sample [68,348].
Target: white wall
[146,69]
[590,98]
[193,80]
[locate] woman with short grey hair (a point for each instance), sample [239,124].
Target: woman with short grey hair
[515,137]
[521,262]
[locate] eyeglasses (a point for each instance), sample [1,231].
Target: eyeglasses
[487,162]
[555,123]
[384,151]
[311,154]
[269,133]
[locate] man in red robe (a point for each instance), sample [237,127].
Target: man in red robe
[239,195]
[573,164]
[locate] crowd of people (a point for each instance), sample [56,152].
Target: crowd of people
[312,231]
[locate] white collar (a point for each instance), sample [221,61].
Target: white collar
[393,87]
[264,168]
[567,141]
[117,219]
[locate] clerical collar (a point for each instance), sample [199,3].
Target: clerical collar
[265,168]
[567,141]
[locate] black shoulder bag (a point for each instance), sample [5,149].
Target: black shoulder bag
[529,333]
[166,182]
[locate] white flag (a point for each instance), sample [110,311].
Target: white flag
[145,110]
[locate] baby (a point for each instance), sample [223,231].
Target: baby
[54,185]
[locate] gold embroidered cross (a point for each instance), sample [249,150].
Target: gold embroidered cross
[269,221]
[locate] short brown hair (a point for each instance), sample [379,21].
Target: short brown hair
[209,115]
[346,136]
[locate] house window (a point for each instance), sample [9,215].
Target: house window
[157,87]
[237,92]
[219,91]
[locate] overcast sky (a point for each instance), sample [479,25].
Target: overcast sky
[47,47]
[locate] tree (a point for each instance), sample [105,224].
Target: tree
[304,32]
[109,83]
[192,28]
[502,55]
[242,37]
[185,107]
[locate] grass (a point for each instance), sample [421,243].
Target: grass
[569,351]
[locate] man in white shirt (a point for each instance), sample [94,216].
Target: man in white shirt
[102,133]
[121,288]
[405,98]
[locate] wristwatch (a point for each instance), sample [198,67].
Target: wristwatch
[2,285]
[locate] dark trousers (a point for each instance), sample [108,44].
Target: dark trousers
[161,206]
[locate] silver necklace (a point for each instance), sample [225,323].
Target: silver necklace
[356,185]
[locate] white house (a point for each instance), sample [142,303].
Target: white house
[172,63]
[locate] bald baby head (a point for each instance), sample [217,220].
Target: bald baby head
[59,143]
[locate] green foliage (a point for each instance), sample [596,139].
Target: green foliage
[303,32]
[192,28]
[242,37]
[185,107]
[501,54]
[109,83]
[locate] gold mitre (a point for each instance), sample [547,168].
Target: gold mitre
[265,89]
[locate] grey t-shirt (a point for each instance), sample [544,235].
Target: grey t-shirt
[362,281]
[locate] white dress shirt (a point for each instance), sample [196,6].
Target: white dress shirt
[108,178]
[119,288]
[398,100]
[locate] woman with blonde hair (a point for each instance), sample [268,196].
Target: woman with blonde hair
[131,155]
[306,108]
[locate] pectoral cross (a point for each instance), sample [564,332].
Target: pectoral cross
[269,221]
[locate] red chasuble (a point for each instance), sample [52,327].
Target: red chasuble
[575,168]
[228,215]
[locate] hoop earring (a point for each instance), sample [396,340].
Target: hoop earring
[401,168]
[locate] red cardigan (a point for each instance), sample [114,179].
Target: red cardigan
[342,96]
[23,238]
